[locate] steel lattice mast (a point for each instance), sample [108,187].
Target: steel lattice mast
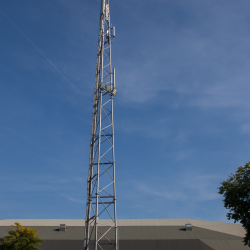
[101,196]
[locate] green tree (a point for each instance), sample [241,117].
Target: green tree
[236,193]
[20,239]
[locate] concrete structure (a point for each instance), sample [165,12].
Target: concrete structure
[138,234]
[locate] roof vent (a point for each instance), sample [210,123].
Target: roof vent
[62,227]
[188,227]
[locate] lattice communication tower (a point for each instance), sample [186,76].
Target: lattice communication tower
[100,223]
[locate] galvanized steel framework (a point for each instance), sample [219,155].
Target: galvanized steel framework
[101,196]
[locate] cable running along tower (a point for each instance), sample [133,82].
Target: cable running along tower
[100,223]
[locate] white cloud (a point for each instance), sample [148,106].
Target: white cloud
[183,154]
[160,191]
[153,129]
[205,63]
[245,128]
[183,187]
[73,199]
[39,182]
[202,187]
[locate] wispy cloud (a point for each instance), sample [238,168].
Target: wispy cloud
[201,187]
[183,154]
[39,182]
[153,129]
[204,63]
[162,191]
[73,199]
[190,187]
[245,128]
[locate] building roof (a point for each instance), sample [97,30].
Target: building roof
[228,228]
[141,234]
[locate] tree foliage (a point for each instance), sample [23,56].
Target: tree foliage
[236,193]
[20,239]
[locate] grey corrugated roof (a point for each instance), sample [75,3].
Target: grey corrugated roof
[229,228]
[225,244]
[131,245]
[188,244]
[52,233]
[132,234]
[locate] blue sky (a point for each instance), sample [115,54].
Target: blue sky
[181,113]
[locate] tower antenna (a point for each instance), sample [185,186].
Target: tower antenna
[100,223]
